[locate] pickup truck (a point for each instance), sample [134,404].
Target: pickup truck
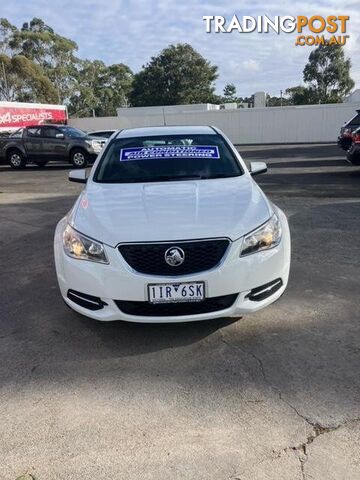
[40,143]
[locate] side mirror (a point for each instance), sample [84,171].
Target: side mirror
[60,135]
[78,176]
[257,167]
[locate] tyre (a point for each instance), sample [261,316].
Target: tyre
[79,158]
[40,163]
[16,159]
[346,143]
[353,156]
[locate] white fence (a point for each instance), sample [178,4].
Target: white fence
[303,124]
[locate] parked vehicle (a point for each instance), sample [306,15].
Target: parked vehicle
[353,154]
[102,133]
[345,137]
[40,143]
[171,227]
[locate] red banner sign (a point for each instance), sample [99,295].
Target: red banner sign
[17,117]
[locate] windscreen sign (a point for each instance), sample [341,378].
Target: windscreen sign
[169,151]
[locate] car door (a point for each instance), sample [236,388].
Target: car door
[54,143]
[33,143]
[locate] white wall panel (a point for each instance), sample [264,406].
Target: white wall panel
[311,123]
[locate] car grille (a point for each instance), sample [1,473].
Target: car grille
[146,309]
[149,258]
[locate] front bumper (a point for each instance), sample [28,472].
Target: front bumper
[117,281]
[344,142]
[91,155]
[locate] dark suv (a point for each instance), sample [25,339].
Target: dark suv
[41,143]
[353,154]
[345,137]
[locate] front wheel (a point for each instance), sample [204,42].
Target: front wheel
[79,158]
[16,160]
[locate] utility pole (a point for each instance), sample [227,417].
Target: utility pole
[281,98]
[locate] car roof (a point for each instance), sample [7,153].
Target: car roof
[105,130]
[166,130]
[46,125]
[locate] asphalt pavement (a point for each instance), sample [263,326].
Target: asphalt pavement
[273,396]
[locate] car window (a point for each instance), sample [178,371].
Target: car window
[354,121]
[166,158]
[50,132]
[17,133]
[33,131]
[107,134]
[104,134]
[72,132]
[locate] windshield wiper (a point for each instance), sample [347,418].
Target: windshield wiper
[175,177]
[221,175]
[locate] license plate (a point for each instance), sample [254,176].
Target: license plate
[176,292]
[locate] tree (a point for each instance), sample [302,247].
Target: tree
[248,100]
[7,31]
[178,75]
[300,95]
[277,101]
[40,65]
[23,80]
[229,93]
[328,74]
[100,89]
[54,53]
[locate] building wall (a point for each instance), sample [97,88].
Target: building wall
[161,110]
[302,124]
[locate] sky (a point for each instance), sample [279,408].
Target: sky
[131,31]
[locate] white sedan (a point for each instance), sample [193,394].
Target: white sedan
[171,227]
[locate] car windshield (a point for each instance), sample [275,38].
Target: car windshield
[72,132]
[354,121]
[17,134]
[166,158]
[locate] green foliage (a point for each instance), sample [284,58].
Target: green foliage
[7,31]
[55,54]
[24,81]
[37,64]
[178,75]
[229,93]
[300,95]
[100,89]
[277,101]
[328,73]
[40,65]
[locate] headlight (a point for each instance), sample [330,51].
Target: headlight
[81,247]
[96,145]
[265,237]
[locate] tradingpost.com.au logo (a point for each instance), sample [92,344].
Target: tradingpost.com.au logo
[318,27]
